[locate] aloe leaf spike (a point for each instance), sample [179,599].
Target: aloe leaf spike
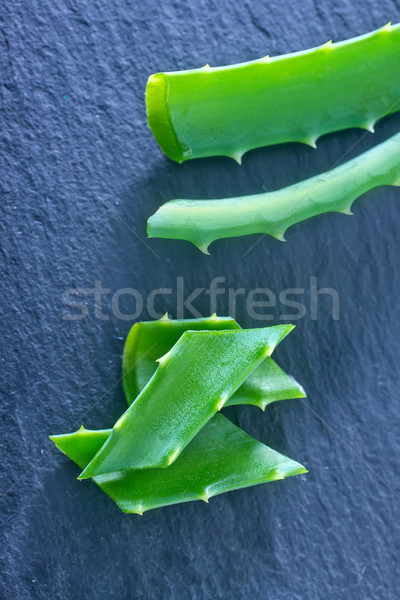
[296,97]
[148,340]
[204,221]
[219,459]
[192,382]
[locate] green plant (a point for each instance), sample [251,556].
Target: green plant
[219,459]
[204,221]
[192,382]
[291,98]
[149,340]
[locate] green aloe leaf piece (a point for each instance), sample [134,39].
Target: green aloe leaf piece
[149,340]
[204,221]
[266,384]
[192,382]
[219,459]
[296,97]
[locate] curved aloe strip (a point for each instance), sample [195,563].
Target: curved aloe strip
[149,340]
[204,221]
[192,382]
[291,98]
[219,459]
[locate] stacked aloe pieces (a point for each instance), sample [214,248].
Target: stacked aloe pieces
[172,444]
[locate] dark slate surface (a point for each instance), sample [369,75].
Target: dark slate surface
[80,175]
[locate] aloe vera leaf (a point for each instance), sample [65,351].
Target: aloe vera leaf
[204,221]
[266,384]
[296,97]
[192,382]
[82,445]
[219,459]
[148,340]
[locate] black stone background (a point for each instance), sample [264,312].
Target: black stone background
[80,175]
